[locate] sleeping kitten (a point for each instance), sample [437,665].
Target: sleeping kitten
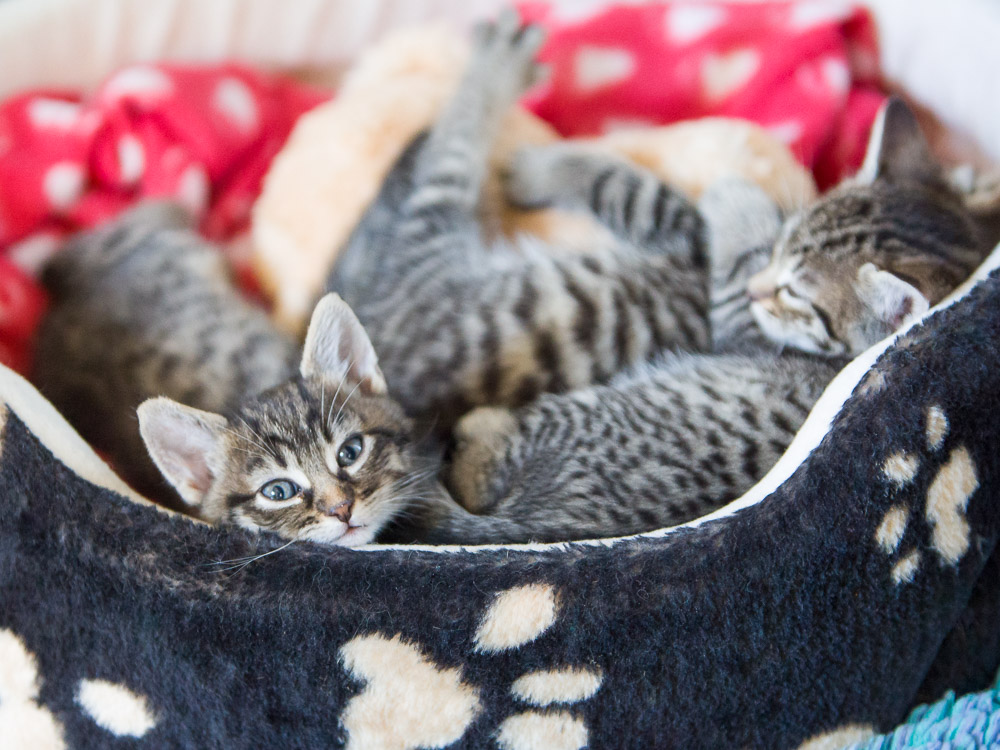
[659,445]
[459,323]
[143,307]
[876,251]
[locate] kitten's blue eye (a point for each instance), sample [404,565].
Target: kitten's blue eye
[349,450]
[280,489]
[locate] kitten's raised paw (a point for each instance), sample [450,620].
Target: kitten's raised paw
[504,53]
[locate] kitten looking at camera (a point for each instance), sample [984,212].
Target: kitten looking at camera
[143,308]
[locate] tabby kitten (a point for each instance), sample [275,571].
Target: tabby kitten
[143,307]
[873,253]
[660,445]
[325,456]
[458,322]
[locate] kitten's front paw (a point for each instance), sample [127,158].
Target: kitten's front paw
[504,53]
[481,439]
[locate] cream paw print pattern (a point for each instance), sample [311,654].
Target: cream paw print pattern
[409,702]
[948,495]
[26,724]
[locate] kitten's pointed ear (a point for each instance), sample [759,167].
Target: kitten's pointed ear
[892,300]
[338,348]
[184,443]
[897,149]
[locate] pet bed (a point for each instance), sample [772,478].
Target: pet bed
[858,578]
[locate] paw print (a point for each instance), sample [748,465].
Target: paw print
[945,506]
[411,702]
[25,724]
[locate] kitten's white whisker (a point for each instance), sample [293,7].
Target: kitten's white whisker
[244,561]
[350,363]
[271,450]
[346,400]
[235,434]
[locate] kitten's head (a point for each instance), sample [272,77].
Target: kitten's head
[326,456]
[872,253]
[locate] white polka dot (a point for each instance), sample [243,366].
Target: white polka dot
[193,188]
[836,74]
[131,159]
[788,132]
[53,113]
[115,708]
[235,101]
[32,253]
[688,23]
[63,185]
[824,77]
[810,13]
[139,81]
[722,75]
[598,67]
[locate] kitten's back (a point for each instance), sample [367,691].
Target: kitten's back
[143,307]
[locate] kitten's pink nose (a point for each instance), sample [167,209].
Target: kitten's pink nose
[342,511]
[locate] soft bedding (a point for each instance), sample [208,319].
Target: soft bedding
[857,580]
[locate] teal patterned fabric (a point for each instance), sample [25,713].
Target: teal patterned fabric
[966,723]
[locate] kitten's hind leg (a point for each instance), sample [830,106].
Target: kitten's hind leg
[452,163]
[632,202]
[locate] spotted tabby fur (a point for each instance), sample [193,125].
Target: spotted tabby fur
[458,322]
[143,308]
[659,445]
[874,252]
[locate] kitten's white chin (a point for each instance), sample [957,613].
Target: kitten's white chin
[340,534]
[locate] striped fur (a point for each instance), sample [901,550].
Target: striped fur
[143,307]
[662,444]
[458,322]
[293,433]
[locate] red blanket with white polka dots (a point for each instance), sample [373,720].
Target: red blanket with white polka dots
[206,135]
